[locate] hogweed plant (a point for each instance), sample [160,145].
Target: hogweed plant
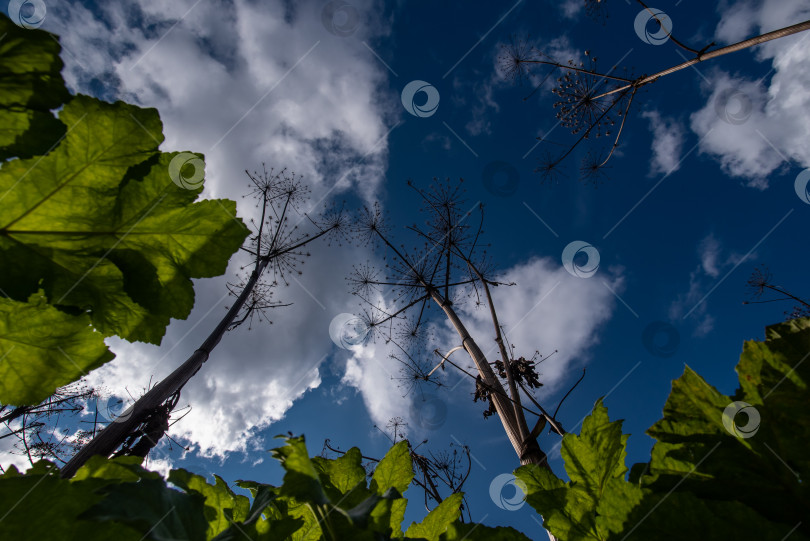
[444,267]
[761,281]
[438,474]
[278,247]
[594,103]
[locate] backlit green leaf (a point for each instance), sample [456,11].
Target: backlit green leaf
[43,348]
[30,86]
[438,520]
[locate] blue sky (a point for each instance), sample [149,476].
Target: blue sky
[700,191]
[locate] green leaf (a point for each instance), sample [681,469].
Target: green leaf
[161,514]
[387,515]
[597,454]
[310,530]
[30,86]
[681,515]
[459,531]
[123,469]
[343,473]
[42,348]
[438,520]
[301,480]
[124,250]
[597,500]
[219,499]
[763,470]
[276,525]
[40,505]
[394,470]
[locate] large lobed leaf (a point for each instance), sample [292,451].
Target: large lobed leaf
[759,477]
[119,499]
[222,506]
[703,480]
[596,501]
[438,520]
[102,235]
[64,346]
[30,86]
[91,220]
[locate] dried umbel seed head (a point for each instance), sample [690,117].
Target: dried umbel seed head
[514,62]
[581,106]
[592,169]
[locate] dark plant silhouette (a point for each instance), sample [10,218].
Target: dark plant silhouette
[37,428]
[761,281]
[594,103]
[445,266]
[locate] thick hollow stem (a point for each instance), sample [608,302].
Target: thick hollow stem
[507,360]
[106,442]
[502,404]
[776,34]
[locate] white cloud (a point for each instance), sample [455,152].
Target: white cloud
[666,145]
[245,83]
[738,22]
[571,8]
[372,373]
[709,253]
[160,465]
[714,259]
[10,456]
[484,105]
[547,310]
[692,304]
[752,129]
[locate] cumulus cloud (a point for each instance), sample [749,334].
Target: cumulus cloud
[666,145]
[11,456]
[484,105]
[245,83]
[548,309]
[756,126]
[373,373]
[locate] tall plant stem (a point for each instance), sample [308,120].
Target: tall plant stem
[776,34]
[114,434]
[108,440]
